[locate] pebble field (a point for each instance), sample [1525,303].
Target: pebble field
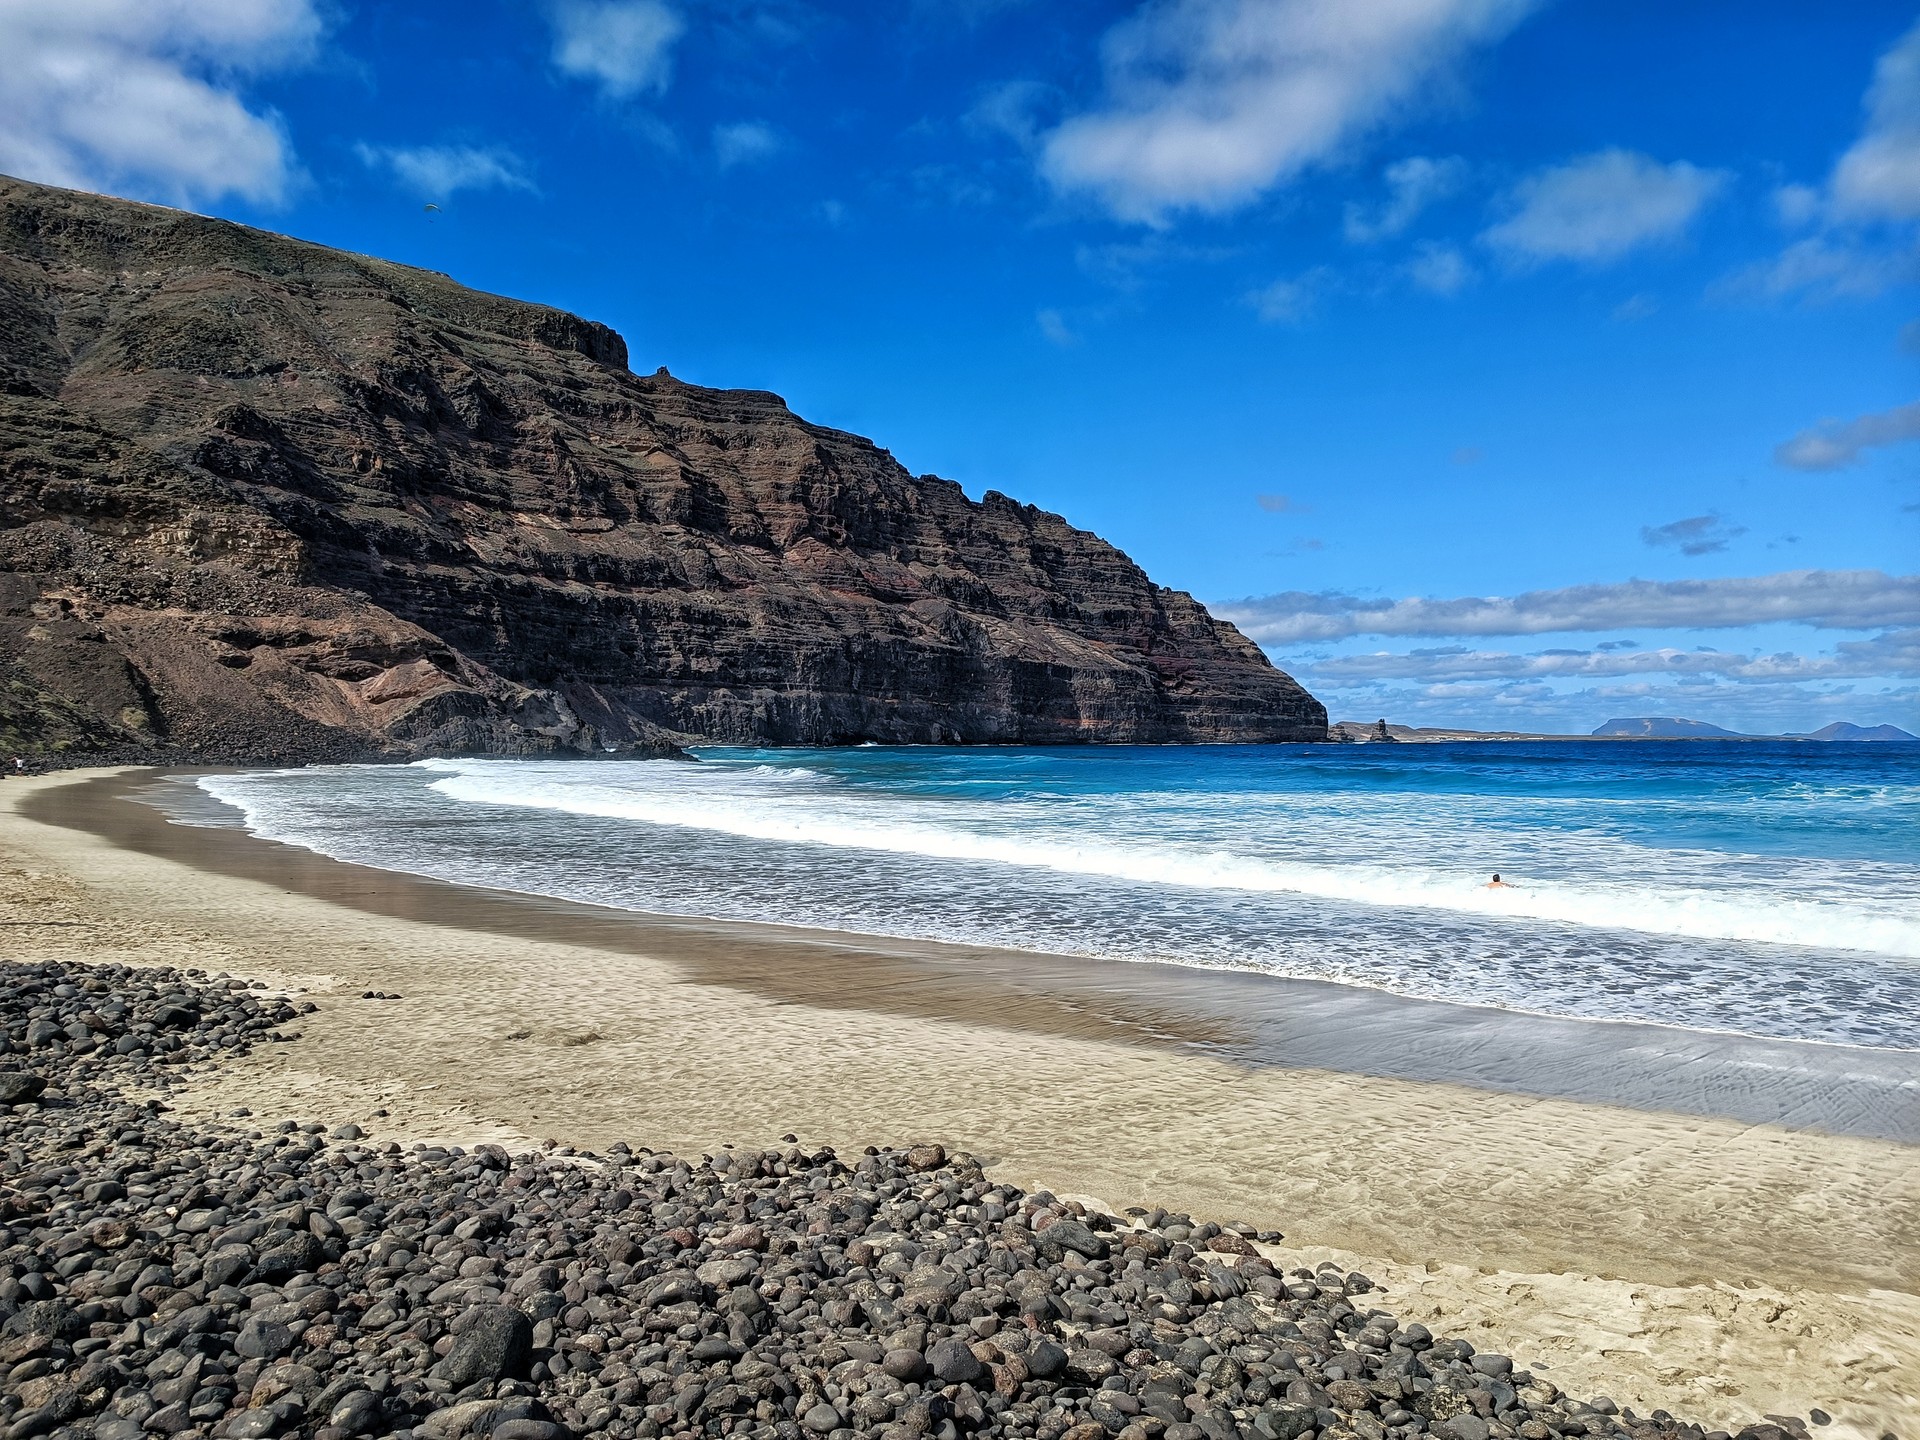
[244,1279]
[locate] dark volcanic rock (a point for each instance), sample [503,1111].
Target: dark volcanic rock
[954,1362]
[261,498]
[493,1346]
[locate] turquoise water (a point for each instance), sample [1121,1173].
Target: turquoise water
[1753,888]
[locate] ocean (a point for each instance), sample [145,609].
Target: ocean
[1758,889]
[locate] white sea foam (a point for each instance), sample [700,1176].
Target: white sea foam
[760,803]
[1640,900]
[785,774]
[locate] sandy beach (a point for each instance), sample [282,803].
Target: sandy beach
[1715,1266]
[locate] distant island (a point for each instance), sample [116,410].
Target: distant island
[1841,730]
[1643,727]
[1666,727]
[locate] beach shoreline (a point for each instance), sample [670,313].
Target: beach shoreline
[1717,1267]
[1244,1018]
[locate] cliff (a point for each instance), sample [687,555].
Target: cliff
[263,499]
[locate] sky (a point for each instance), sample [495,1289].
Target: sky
[1497,363]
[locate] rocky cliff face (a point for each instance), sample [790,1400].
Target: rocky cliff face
[259,498]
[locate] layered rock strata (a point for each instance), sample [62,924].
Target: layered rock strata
[261,498]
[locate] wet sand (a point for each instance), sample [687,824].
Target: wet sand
[1705,1263]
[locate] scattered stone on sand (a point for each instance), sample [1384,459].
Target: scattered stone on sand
[243,1282]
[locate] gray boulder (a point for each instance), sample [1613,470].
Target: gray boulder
[493,1345]
[18,1087]
[954,1363]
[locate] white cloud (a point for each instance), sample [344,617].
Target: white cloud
[1439,269]
[1836,445]
[1797,205]
[1875,183]
[439,170]
[1010,109]
[1823,268]
[1128,264]
[1879,176]
[140,95]
[1600,207]
[744,142]
[1867,681]
[1278,504]
[1894,654]
[1570,690]
[624,46]
[1288,302]
[1054,326]
[1212,102]
[1827,599]
[1412,185]
[945,184]
[1696,535]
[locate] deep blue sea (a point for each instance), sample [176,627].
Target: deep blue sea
[1768,889]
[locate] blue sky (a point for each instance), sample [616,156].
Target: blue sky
[1493,362]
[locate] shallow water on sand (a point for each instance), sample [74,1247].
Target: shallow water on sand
[1758,889]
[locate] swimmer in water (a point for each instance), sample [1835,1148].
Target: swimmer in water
[1498,884]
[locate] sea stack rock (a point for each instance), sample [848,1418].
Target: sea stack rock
[266,500]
